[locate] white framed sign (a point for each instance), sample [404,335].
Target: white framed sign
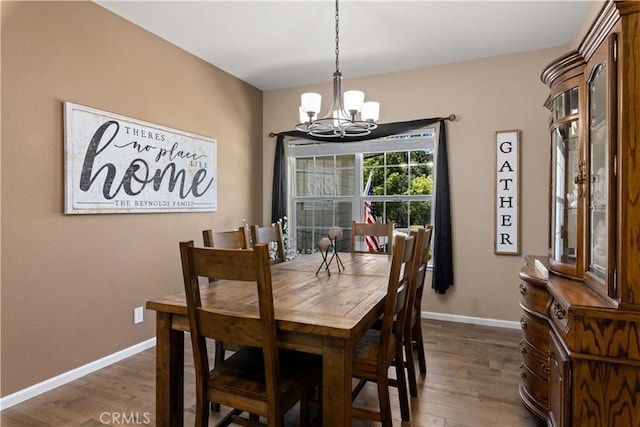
[116,164]
[507,193]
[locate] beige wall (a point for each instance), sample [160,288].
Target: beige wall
[487,95]
[70,283]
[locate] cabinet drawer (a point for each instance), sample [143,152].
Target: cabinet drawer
[559,316]
[535,386]
[535,332]
[535,298]
[535,360]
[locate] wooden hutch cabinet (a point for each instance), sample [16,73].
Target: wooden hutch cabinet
[581,325]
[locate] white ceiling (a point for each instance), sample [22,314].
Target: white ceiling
[275,44]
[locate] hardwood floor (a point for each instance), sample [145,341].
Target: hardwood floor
[472,381]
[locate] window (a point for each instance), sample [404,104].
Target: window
[331,183]
[401,186]
[322,197]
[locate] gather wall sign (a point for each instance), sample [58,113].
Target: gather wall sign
[507,193]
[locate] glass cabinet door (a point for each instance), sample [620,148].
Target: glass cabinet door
[601,160]
[598,166]
[566,175]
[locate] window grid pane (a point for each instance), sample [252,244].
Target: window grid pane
[327,191]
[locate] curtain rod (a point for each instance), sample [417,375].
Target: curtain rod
[451,118]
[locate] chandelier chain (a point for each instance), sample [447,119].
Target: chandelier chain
[337,38]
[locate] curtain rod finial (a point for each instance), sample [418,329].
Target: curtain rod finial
[271,134]
[452,117]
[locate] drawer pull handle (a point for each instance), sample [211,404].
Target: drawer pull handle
[523,349]
[545,368]
[523,323]
[558,311]
[523,289]
[523,373]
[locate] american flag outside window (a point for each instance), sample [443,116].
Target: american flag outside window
[370,218]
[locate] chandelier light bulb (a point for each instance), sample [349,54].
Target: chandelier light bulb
[370,111]
[311,102]
[353,100]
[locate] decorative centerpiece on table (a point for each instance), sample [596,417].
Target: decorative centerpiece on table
[327,244]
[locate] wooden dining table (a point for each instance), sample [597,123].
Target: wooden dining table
[324,313]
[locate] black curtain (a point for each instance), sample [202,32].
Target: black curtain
[442,238]
[442,243]
[279,198]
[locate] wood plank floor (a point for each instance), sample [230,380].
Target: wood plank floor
[472,381]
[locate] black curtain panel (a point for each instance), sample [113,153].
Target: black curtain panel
[442,276]
[442,238]
[279,198]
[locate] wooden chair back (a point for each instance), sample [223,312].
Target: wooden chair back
[380,349]
[259,330]
[395,308]
[270,235]
[419,268]
[420,271]
[376,230]
[234,239]
[412,327]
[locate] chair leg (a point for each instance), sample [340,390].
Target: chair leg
[202,412]
[303,421]
[275,421]
[218,358]
[384,401]
[219,353]
[402,387]
[317,420]
[417,335]
[311,408]
[411,367]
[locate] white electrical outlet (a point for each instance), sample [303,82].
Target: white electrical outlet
[138,315]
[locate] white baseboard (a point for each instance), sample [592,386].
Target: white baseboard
[50,384]
[472,320]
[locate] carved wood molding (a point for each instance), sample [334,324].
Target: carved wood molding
[599,29]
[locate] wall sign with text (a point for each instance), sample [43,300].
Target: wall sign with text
[507,191]
[115,164]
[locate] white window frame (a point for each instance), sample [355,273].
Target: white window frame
[416,140]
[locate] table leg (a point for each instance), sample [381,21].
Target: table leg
[169,373]
[337,356]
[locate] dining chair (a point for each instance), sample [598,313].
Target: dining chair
[259,378]
[371,235]
[379,349]
[413,341]
[271,235]
[234,239]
